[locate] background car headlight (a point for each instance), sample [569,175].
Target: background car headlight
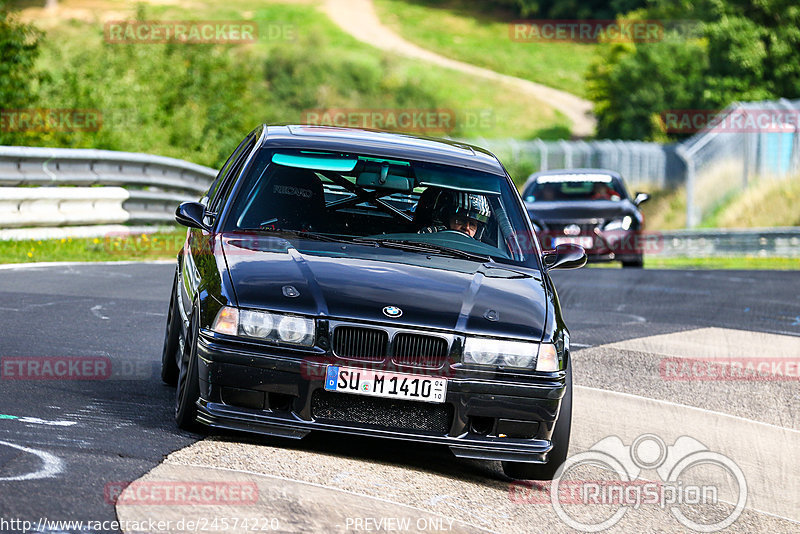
[619,224]
[485,351]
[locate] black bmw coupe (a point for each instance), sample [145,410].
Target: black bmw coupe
[375,284]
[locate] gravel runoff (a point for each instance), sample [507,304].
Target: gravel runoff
[346,484]
[624,367]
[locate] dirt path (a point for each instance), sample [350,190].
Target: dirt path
[359,19]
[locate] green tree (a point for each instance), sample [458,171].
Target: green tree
[632,85]
[19,48]
[745,50]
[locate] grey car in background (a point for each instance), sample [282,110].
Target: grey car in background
[590,208]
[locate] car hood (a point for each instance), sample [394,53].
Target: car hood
[461,298]
[584,210]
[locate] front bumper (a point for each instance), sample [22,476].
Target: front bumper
[281,392]
[613,245]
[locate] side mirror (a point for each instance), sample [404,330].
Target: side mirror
[566,256]
[191,214]
[641,197]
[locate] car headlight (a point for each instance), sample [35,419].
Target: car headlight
[619,224]
[275,327]
[256,324]
[520,354]
[296,330]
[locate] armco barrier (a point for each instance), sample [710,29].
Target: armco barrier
[715,243]
[58,206]
[143,189]
[136,188]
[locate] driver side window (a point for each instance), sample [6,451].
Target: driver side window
[217,188]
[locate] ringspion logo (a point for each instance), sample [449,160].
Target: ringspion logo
[593,490]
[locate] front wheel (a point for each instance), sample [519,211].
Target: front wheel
[636,262]
[188,391]
[169,354]
[560,438]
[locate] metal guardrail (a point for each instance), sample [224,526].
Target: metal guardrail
[55,206]
[155,185]
[716,243]
[145,189]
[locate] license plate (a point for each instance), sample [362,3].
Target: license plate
[584,241]
[382,384]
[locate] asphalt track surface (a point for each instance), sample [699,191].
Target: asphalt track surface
[64,444]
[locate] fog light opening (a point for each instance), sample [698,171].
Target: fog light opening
[481,425]
[280,402]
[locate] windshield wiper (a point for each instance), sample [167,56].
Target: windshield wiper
[427,248]
[316,236]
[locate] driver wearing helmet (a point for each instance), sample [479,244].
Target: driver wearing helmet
[467,213]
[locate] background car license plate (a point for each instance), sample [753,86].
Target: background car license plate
[584,241]
[381,384]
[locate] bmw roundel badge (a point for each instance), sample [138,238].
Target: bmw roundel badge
[392,311]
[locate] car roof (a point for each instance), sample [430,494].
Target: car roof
[532,178]
[383,144]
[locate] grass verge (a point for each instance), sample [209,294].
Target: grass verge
[765,203]
[135,247]
[738,262]
[465,31]
[165,246]
[197,101]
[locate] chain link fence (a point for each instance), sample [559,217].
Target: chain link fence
[642,164]
[730,150]
[745,143]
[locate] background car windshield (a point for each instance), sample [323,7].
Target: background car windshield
[567,187]
[382,200]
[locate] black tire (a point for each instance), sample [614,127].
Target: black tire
[188,390]
[636,263]
[169,353]
[560,438]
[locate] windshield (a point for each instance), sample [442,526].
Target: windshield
[566,187]
[413,206]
